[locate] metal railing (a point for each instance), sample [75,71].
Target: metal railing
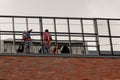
[83,36]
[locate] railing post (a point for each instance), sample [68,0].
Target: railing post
[109,31]
[41,31]
[69,34]
[54,21]
[0,41]
[27,24]
[83,36]
[97,36]
[13,23]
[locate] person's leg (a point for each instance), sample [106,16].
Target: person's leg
[48,49]
[28,47]
[25,48]
[44,48]
[31,47]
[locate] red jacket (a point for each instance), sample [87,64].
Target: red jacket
[47,37]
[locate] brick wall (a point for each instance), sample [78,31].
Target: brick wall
[58,68]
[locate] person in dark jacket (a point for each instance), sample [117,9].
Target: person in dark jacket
[65,49]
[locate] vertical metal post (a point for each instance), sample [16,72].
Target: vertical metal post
[69,35]
[0,41]
[41,32]
[14,50]
[83,36]
[27,24]
[97,35]
[109,31]
[54,20]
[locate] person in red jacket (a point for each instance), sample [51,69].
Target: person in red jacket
[47,41]
[27,41]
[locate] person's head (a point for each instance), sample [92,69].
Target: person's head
[46,30]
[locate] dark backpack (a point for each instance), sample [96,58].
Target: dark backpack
[65,49]
[20,48]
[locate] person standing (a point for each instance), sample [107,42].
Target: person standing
[46,41]
[27,41]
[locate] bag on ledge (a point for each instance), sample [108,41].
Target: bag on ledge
[20,48]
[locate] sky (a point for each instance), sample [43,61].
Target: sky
[61,8]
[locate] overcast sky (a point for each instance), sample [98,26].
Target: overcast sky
[61,8]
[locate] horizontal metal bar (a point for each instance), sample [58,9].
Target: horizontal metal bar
[77,18]
[89,41]
[109,36]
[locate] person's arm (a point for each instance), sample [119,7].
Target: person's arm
[50,37]
[30,31]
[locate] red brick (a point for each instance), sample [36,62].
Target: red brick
[58,68]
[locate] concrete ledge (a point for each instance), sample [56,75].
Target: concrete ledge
[61,55]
